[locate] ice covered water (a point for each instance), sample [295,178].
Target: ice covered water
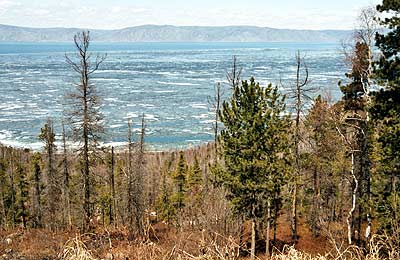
[169,82]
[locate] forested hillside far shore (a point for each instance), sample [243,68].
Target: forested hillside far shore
[169,33]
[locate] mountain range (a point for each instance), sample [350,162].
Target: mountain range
[169,33]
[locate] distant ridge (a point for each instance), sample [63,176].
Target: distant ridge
[169,33]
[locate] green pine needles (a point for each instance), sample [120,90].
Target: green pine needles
[256,148]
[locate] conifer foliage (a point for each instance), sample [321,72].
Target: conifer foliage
[386,111]
[255,144]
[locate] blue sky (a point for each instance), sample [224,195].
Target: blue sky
[100,14]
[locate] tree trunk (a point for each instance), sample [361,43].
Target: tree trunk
[267,242]
[66,188]
[38,207]
[276,211]
[299,92]
[354,197]
[130,179]
[253,239]
[112,188]
[13,199]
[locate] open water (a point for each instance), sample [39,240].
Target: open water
[169,82]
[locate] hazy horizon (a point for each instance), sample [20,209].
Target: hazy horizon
[284,14]
[173,25]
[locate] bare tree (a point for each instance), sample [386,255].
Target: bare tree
[215,106]
[233,76]
[84,117]
[367,28]
[300,94]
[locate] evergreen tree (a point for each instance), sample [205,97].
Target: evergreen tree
[163,202]
[4,191]
[48,136]
[194,177]
[386,111]
[323,159]
[37,183]
[130,199]
[179,180]
[22,195]
[194,192]
[255,144]
[12,204]
[111,170]
[66,189]
[355,125]
[138,181]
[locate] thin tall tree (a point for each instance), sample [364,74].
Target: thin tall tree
[84,115]
[48,136]
[66,179]
[301,96]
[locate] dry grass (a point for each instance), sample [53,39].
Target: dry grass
[380,247]
[170,244]
[289,252]
[75,249]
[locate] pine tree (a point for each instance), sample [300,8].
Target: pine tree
[66,189]
[194,192]
[163,203]
[4,190]
[111,169]
[37,197]
[47,135]
[255,145]
[130,179]
[194,177]
[12,204]
[138,182]
[179,180]
[323,155]
[386,112]
[22,194]
[356,132]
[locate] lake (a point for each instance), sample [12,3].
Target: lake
[169,82]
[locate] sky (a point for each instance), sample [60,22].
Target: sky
[117,14]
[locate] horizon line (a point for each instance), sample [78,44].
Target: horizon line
[171,25]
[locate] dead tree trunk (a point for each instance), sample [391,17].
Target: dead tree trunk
[299,94]
[85,117]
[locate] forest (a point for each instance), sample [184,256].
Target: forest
[287,176]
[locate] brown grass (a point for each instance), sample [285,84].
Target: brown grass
[169,243]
